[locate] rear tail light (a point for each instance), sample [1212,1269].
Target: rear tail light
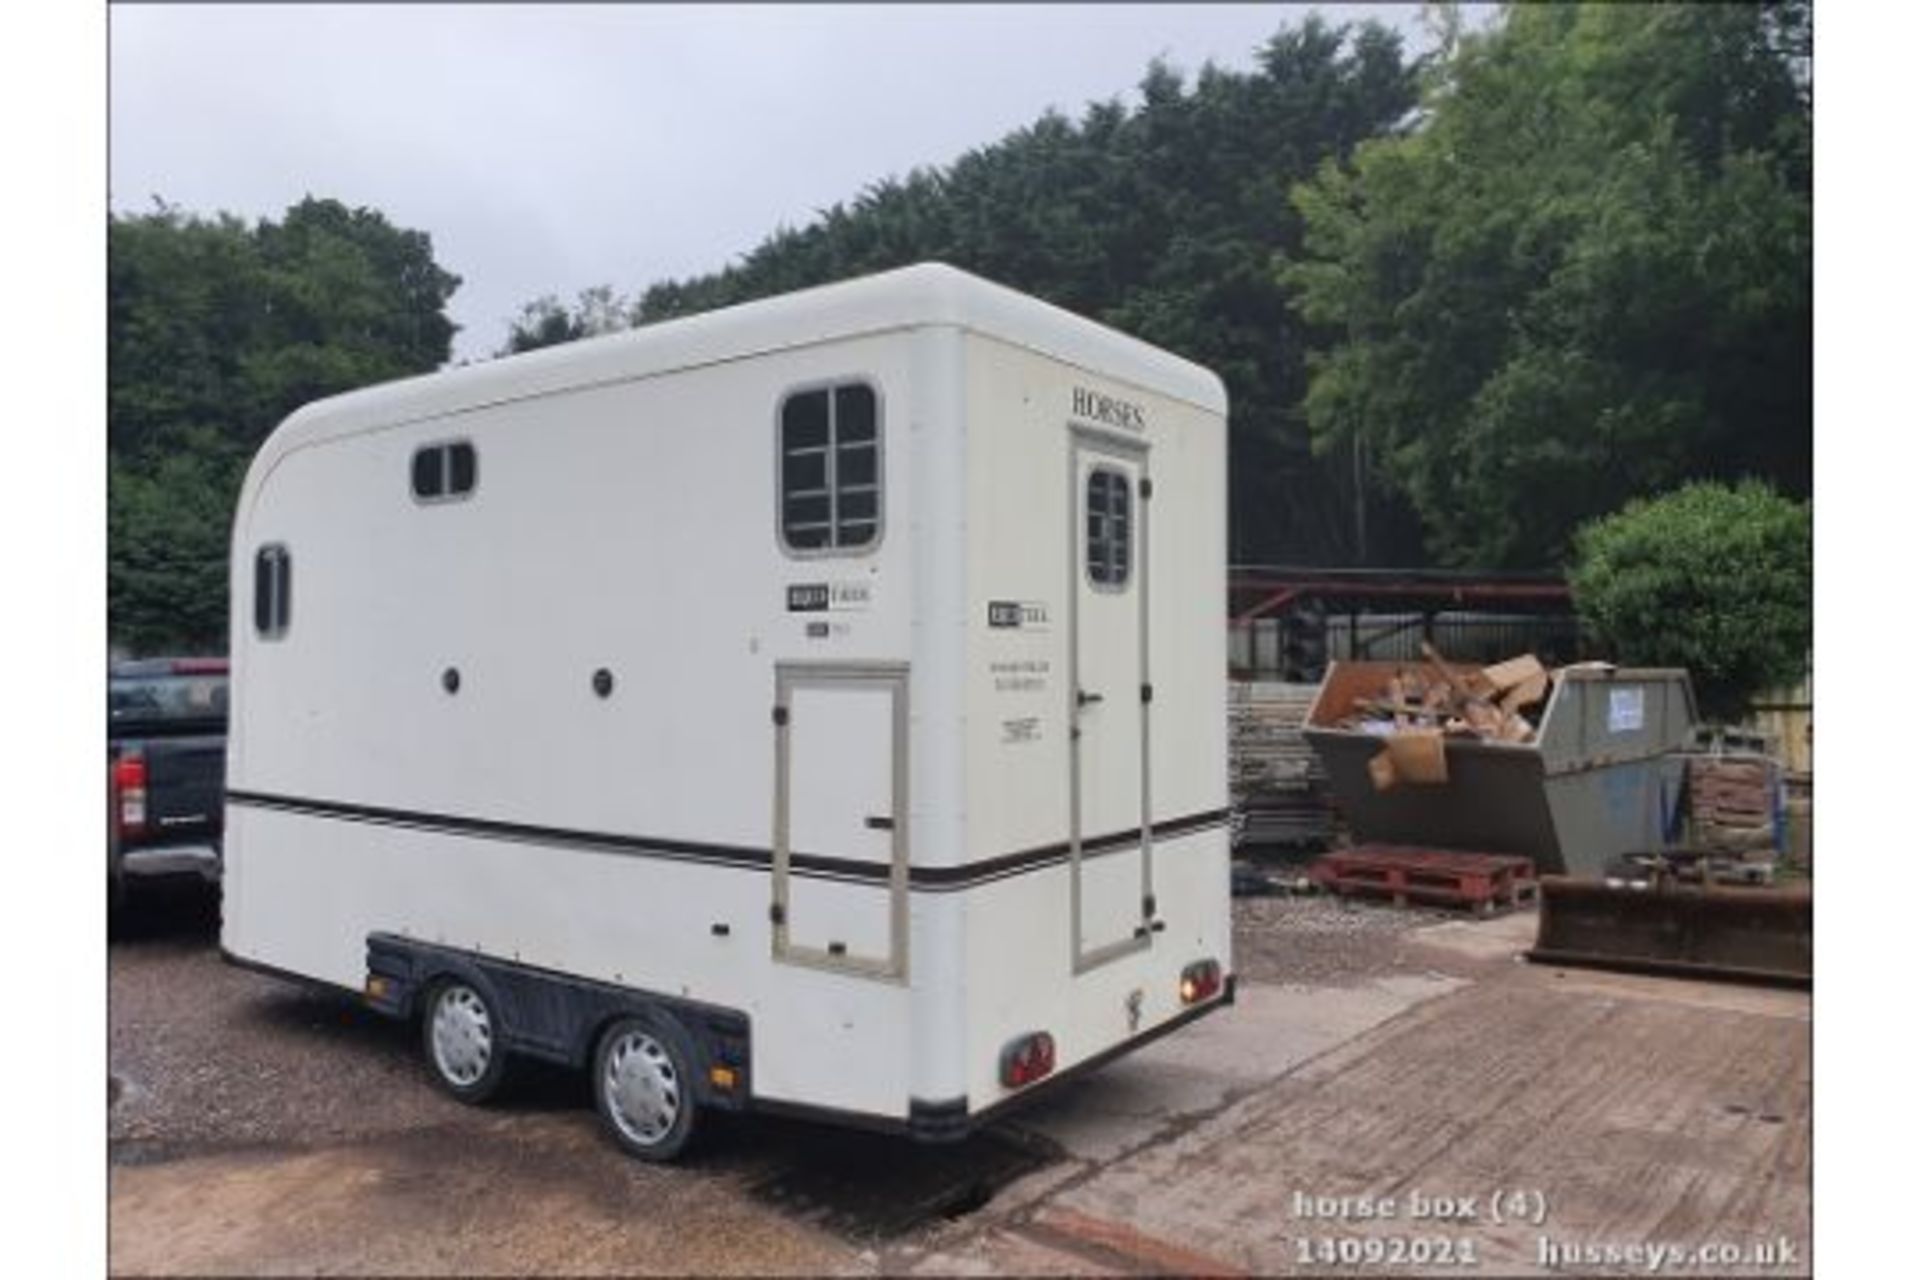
[1027,1059]
[1199,981]
[130,794]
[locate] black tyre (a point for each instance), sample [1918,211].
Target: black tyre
[461,1033]
[644,1087]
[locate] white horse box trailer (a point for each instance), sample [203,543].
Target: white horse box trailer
[817,705]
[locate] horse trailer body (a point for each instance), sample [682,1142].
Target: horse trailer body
[841,676]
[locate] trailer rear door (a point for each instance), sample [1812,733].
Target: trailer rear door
[1110,696]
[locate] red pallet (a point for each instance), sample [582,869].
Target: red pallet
[1481,881]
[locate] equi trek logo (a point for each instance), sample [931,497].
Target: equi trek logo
[1096,406]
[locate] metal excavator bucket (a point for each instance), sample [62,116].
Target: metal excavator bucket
[1756,935]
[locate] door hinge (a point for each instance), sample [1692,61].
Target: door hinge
[878,822]
[1146,487]
[1149,905]
[780,717]
[1146,692]
[777,913]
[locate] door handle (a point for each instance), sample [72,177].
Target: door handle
[879,823]
[1088,699]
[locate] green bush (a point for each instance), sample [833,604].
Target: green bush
[1715,579]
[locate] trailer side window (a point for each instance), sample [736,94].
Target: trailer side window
[444,471]
[830,471]
[272,591]
[1109,527]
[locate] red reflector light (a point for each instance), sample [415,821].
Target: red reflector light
[1027,1059]
[130,790]
[1199,981]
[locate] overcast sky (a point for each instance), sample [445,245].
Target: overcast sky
[550,148]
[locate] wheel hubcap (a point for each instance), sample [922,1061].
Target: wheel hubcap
[642,1088]
[462,1035]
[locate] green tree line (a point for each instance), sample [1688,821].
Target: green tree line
[1163,220]
[217,330]
[1463,303]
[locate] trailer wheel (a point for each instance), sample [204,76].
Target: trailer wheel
[461,1034]
[643,1087]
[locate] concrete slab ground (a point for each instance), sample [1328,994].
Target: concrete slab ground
[1585,1120]
[1149,1095]
[1272,1029]
[1504,937]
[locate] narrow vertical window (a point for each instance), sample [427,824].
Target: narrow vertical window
[830,469]
[806,493]
[856,466]
[1109,527]
[272,591]
[427,479]
[461,469]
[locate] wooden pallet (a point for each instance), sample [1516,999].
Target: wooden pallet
[1480,881]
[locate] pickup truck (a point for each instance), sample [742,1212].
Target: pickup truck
[166,771]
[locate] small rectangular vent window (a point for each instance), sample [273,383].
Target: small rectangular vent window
[1109,527]
[830,469]
[444,471]
[272,591]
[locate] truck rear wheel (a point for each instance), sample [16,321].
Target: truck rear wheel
[643,1087]
[461,1035]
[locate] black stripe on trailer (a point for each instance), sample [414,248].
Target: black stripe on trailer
[809,865]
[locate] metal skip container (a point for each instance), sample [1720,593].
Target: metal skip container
[1596,781]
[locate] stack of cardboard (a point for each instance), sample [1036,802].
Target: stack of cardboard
[1421,706]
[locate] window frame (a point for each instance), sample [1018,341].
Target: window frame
[444,448]
[280,590]
[1131,490]
[833,549]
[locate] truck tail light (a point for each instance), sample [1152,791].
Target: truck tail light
[1199,981]
[1026,1059]
[130,794]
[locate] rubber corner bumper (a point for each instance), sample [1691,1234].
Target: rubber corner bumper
[944,1121]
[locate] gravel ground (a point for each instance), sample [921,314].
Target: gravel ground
[204,1054]
[1326,941]
[256,1127]
[208,1054]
